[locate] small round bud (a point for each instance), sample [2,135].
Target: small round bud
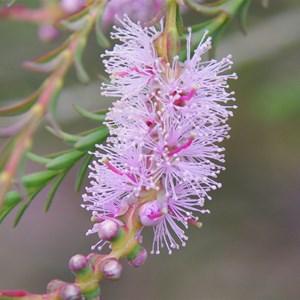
[71,6]
[140,258]
[47,33]
[54,285]
[150,213]
[107,230]
[70,292]
[112,269]
[78,262]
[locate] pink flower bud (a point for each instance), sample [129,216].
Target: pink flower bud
[71,6]
[77,263]
[54,285]
[140,258]
[151,213]
[47,33]
[107,230]
[112,269]
[70,292]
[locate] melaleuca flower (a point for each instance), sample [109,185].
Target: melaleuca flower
[163,154]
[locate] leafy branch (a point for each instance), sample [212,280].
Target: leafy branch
[42,103]
[223,11]
[57,165]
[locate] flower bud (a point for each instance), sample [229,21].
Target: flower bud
[77,263]
[140,259]
[112,269]
[107,230]
[150,213]
[71,6]
[54,285]
[47,33]
[70,292]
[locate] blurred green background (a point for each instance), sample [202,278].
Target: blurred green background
[249,246]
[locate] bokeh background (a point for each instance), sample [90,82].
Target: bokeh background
[249,246]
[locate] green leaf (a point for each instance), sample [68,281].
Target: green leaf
[209,9]
[76,21]
[69,138]
[92,116]
[242,17]
[58,83]
[49,61]
[65,160]
[5,151]
[82,171]
[11,200]
[80,71]
[97,137]
[38,179]
[26,205]
[53,190]
[73,25]
[100,36]
[37,158]
[20,106]
[215,28]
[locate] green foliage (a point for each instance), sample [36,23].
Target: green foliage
[56,166]
[224,12]
[11,200]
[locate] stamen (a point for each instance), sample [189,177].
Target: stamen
[189,96]
[115,170]
[111,167]
[135,69]
[194,222]
[184,146]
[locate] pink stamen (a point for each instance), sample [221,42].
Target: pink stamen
[181,100]
[115,170]
[194,222]
[135,69]
[187,97]
[111,167]
[189,220]
[184,146]
[131,177]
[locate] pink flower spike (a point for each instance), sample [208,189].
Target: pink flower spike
[164,154]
